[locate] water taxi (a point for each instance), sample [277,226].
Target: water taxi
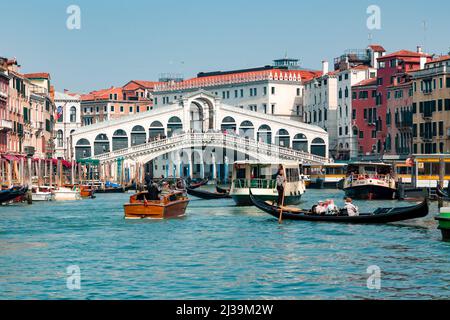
[141,206]
[67,194]
[261,179]
[87,192]
[370,181]
[427,170]
[324,176]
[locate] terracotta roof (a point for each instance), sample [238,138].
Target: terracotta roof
[272,74]
[103,94]
[404,54]
[440,59]
[377,48]
[136,84]
[41,75]
[366,83]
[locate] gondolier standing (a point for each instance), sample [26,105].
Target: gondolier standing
[281,182]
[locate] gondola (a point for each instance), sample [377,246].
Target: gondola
[198,184]
[206,195]
[381,215]
[441,193]
[11,194]
[221,190]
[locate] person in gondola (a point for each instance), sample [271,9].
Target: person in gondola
[351,209]
[281,182]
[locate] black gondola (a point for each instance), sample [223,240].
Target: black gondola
[441,193]
[206,195]
[11,194]
[381,215]
[222,190]
[110,190]
[199,184]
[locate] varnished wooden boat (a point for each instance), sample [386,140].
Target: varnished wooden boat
[206,195]
[172,205]
[87,192]
[381,215]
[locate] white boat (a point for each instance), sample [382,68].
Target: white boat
[42,194]
[261,179]
[66,194]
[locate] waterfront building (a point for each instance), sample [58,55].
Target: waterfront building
[116,102]
[275,90]
[68,119]
[5,124]
[431,103]
[320,104]
[392,80]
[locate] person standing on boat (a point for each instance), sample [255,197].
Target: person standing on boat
[281,182]
[352,210]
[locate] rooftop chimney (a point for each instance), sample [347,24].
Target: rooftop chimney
[419,49]
[324,67]
[423,60]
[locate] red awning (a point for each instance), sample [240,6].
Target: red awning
[10,157]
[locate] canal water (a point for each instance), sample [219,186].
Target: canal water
[218,251]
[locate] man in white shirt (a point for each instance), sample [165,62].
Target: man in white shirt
[352,210]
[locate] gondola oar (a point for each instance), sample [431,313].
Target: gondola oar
[280,219]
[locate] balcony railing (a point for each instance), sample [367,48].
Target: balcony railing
[6,125]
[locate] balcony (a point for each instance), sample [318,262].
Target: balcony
[6,125]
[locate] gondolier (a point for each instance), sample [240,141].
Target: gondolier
[281,181]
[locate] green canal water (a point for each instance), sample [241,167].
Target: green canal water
[218,251]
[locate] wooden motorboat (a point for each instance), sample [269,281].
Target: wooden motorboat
[87,192]
[222,190]
[12,194]
[141,206]
[198,184]
[206,195]
[381,215]
[42,193]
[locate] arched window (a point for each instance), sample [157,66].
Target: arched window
[59,139]
[120,140]
[247,129]
[282,138]
[73,114]
[228,125]
[300,142]
[83,149]
[156,130]
[318,147]
[138,136]
[264,134]
[101,144]
[175,125]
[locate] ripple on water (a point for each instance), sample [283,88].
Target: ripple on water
[217,251]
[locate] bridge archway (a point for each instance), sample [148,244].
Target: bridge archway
[156,130]
[173,126]
[101,144]
[247,129]
[228,125]
[138,136]
[119,140]
[264,134]
[300,142]
[83,149]
[283,139]
[318,147]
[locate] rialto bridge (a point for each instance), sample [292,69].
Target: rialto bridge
[198,136]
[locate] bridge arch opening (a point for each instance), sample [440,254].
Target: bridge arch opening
[83,149]
[156,130]
[101,144]
[173,126]
[119,140]
[228,125]
[300,142]
[247,129]
[282,138]
[138,136]
[318,147]
[197,116]
[264,134]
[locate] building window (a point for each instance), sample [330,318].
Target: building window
[273,109]
[273,90]
[121,109]
[59,139]
[131,109]
[112,108]
[138,109]
[73,114]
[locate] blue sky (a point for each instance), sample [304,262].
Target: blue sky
[137,39]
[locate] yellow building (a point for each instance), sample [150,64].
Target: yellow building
[431,103]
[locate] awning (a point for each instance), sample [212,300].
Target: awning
[10,157]
[89,161]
